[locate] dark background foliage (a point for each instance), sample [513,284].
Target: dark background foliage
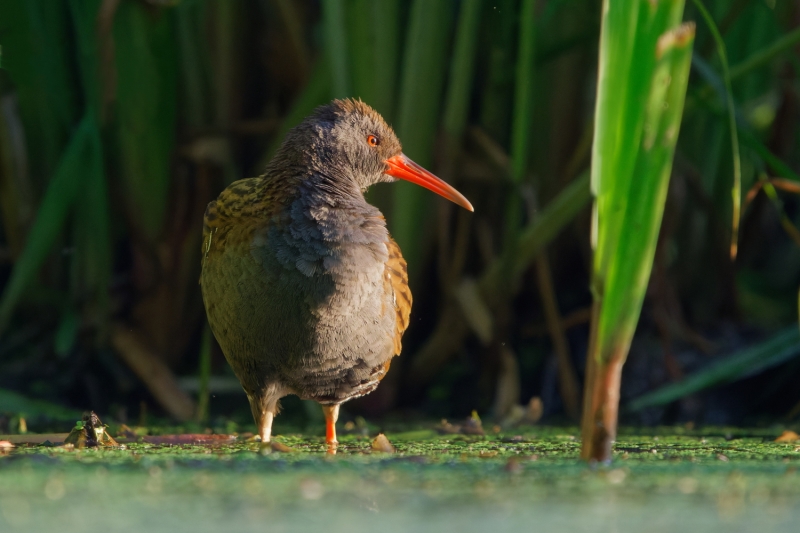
[121,119]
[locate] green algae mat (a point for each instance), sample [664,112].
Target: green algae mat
[667,480]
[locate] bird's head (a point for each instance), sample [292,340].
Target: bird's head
[348,140]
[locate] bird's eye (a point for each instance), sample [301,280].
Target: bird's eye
[372,140]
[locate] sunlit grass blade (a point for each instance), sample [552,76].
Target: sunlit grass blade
[423,73]
[59,198]
[643,73]
[770,353]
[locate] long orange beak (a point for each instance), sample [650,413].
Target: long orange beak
[400,166]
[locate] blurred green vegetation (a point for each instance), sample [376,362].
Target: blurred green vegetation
[121,119]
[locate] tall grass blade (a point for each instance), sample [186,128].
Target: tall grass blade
[36,54]
[522,123]
[736,192]
[360,41]
[17,204]
[423,73]
[194,89]
[374,48]
[643,74]
[145,112]
[385,28]
[333,20]
[462,67]
[776,163]
[763,56]
[498,84]
[93,235]
[538,233]
[770,353]
[59,198]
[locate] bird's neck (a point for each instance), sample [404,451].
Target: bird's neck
[338,209]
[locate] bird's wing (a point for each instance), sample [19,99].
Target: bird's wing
[235,214]
[397,282]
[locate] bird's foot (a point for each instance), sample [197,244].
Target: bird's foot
[332,446]
[331,413]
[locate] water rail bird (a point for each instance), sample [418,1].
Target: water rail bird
[305,290]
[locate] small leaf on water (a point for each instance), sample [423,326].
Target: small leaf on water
[382,444]
[788,436]
[472,425]
[281,447]
[5,447]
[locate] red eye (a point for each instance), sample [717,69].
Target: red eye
[372,140]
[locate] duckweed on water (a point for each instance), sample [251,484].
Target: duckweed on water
[715,479]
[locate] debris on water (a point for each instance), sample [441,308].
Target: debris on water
[132,434]
[471,426]
[280,447]
[524,414]
[446,428]
[5,447]
[89,432]
[535,410]
[788,436]
[357,427]
[188,438]
[382,444]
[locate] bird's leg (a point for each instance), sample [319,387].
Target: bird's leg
[331,413]
[263,413]
[265,425]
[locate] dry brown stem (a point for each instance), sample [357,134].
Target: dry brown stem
[153,372]
[567,378]
[600,398]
